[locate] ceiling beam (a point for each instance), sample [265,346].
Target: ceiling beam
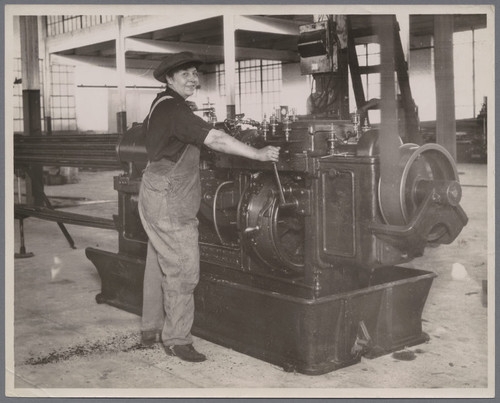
[267,25]
[83,37]
[103,61]
[137,25]
[153,46]
[132,25]
[207,51]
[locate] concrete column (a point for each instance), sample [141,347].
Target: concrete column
[445,83]
[31,100]
[30,74]
[230,64]
[121,70]
[47,80]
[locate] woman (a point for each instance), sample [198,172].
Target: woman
[169,200]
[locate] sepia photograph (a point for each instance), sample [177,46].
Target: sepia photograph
[264,201]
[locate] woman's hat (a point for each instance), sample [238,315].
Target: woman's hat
[174,61]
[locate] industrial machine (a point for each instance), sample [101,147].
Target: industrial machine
[298,258]
[302,261]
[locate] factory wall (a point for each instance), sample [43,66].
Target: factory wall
[470,73]
[296,88]
[97,98]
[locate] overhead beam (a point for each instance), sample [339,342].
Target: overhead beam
[103,61]
[97,48]
[84,37]
[154,46]
[207,51]
[141,24]
[266,24]
[132,25]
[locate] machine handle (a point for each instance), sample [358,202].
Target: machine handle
[283,202]
[278,182]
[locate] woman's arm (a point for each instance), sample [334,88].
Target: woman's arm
[220,141]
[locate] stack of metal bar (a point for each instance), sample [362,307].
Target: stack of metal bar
[76,150]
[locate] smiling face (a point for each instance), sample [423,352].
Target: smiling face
[184,81]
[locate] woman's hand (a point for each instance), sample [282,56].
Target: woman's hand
[268,153]
[219,141]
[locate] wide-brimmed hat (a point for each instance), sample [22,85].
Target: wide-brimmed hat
[174,61]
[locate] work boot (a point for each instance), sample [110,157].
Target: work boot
[185,352]
[150,337]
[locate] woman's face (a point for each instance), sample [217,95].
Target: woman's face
[184,81]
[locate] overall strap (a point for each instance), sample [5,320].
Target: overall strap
[155,104]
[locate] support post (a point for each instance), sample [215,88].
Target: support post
[445,83]
[47,79]
[31,97]
[121,70]
[230,65]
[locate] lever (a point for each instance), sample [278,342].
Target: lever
[283,202]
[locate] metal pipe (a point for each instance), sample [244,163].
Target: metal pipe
[98,151]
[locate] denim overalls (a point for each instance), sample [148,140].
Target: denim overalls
[169,200]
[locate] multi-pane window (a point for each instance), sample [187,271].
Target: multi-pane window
[258,87]
[62,99]
[17,101]
[369,55]
[272,83]
[472,60]
[60,24]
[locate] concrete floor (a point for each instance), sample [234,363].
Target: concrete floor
[65,344]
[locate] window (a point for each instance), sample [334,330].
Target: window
[369,55]
[18,97]
[63,112]
[60,24]
[258,87]
[471,62]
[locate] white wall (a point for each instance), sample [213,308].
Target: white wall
[97,107]
[422,79]
[296,88]
[97,99]
[91,109]
[463,71]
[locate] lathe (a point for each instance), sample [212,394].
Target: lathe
[302,261]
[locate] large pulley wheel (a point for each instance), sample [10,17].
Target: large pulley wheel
[274,234]
[418,171]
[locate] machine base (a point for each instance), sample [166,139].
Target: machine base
[309,336]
